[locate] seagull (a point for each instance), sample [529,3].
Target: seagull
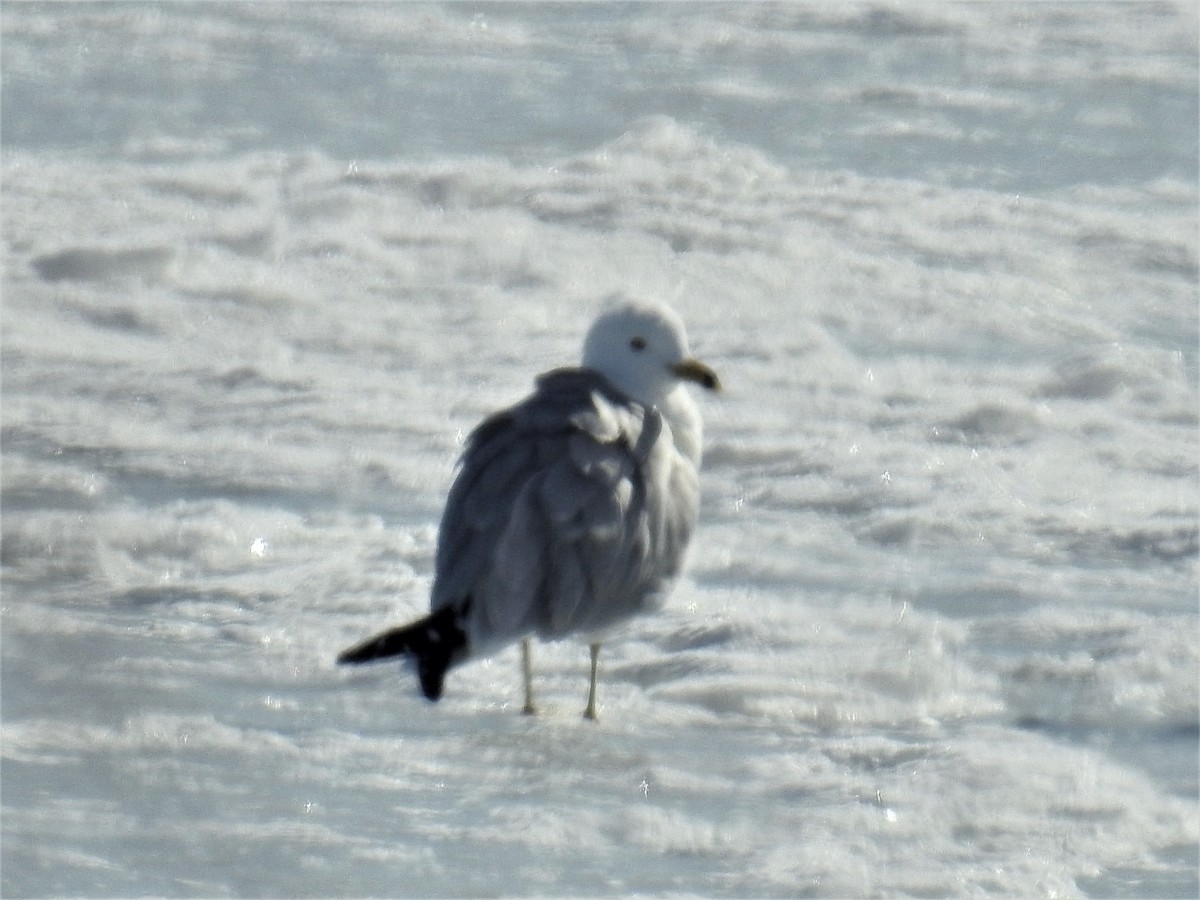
[571,511]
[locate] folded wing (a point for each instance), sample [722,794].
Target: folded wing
[567,514]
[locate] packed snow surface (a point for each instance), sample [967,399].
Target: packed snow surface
[266,265]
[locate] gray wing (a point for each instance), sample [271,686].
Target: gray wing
[571,512]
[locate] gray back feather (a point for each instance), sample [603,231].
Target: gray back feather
[571,511]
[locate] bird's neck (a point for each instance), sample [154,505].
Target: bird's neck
[682,415]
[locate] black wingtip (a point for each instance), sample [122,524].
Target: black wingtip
[382,646]
[433,677]
[436,643]
[350,656]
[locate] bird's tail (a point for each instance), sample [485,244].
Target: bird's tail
[435,644]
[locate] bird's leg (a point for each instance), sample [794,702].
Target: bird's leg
[590,712]
[527,672]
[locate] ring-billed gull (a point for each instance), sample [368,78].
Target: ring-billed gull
[572,510]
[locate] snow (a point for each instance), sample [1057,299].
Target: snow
[266,266]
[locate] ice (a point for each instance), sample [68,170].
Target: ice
[265,269]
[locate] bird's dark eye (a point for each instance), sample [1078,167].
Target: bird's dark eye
[638,344]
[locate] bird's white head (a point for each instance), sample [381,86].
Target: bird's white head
[643,350]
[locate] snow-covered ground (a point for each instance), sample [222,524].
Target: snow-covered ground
[266,265]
